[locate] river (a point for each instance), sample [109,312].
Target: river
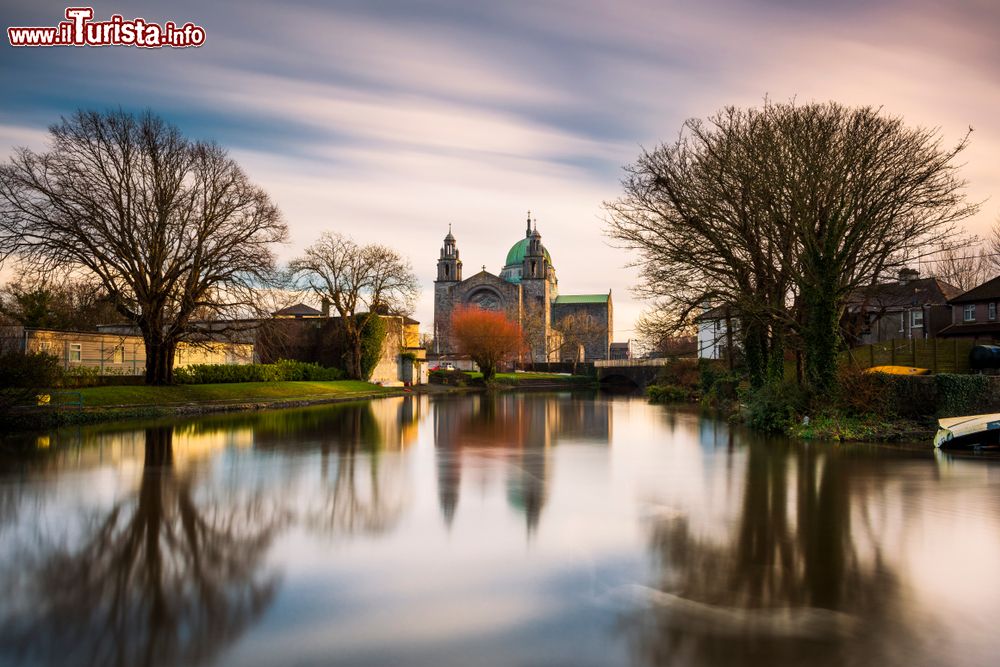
[516,529]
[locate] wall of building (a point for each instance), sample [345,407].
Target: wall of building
[122,354]
[598,345]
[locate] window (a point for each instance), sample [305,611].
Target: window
[992,311]
[917,318]
[76,352]
[969,314]
[120,354]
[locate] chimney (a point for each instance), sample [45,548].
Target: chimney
[906,275]
[325,307]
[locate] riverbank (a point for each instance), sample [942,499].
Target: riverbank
[125,402]
[116,403]
[514,380]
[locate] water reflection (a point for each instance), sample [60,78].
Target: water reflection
[162,578]
[518,429]
[476,529]
[802,563]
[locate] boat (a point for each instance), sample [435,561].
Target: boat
[898,370]
[973,431]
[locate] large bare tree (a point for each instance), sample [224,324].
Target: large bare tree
[170,227]
[963,266]
[780,212]
[360,282]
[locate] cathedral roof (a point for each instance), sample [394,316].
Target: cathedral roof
[582,298]
[515,256]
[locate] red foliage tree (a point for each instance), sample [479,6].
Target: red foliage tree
[487,336]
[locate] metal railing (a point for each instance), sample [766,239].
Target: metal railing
[631,363]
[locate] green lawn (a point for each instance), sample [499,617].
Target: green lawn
[237,391]
[515,378]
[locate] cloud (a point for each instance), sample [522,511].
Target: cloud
[390,120]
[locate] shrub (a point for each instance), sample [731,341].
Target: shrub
[718,384]
[21,376]
[451,378]
[281,370]
[681,373]
[776,407]
[667,393]
[29,371]
[861,393]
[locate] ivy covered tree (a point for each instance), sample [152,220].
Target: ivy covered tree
[780,212]
[360,282]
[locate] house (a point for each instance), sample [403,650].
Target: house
[908,307]
[302,333]
[974,313]
[299,310]
[713,331]
[111,353]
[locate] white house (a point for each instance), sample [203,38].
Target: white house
[713,334]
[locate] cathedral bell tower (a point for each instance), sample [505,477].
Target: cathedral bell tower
[535,265]
[449,265]
[449,274]
[536,294]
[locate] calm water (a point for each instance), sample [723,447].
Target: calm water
[538,529]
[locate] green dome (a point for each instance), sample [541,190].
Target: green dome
[515,257]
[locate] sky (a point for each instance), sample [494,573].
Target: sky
[390,120]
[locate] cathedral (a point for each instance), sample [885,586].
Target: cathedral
[557,327]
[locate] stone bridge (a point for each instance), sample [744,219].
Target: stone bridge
[638,372]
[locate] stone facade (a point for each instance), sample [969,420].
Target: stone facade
[556,327]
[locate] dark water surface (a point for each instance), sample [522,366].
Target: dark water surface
[532,529]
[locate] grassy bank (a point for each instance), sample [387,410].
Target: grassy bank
[238,391]
[117,403]
[518,380]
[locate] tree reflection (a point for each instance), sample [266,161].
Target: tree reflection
[795,571]
[165,577]
[364,492]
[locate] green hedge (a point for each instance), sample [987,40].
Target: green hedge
[775,408]
[668,393]
[29,371]
[281,370]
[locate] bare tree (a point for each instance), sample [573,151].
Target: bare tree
[360,282]
[780,213]
[168,226]
[963,266]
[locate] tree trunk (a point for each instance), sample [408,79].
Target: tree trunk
[489,371]
[776,356]
[820,337]
[159,359]
[353,354]
[755,351]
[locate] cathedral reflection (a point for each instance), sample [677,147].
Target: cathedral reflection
[521,430]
